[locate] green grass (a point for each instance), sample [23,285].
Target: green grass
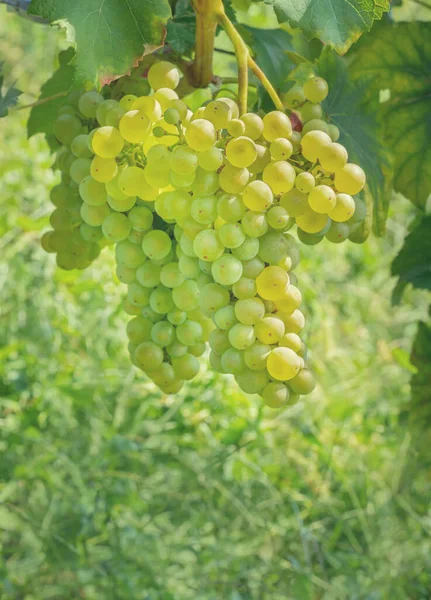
[110,490]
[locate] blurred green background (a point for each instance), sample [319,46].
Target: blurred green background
[110,490]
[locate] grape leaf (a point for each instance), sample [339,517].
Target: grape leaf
[358,127]
[397,57]
[338,23]
[42,116]
[180,36]
[9,98]
[111,36]
[420,408]
[413,263]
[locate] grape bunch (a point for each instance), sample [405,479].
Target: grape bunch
[199,207]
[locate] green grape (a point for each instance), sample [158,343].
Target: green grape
[226,270]
[338,232]
[230,208]
[137,295]
[231,235]
[247,250]
[304,182]
[66,110]
[315,89]
[215,362]
[210,160]
[131,309]
[197,349]
[103,169]
[80,147]
[156,244]
[271,282]
[360,212]
[283,364]
[275,394]
[103,109]
[189,332]
[139,329]
[233,106]
[187,295]
[219,113]
[112,187]
[290,300]
[252,382]
[312,144]
[90,234]
[122,205]
[131,180]
[176,349]
[200,135]
[315,125]
[274,247]
[127,101]
[278,217]
[294,323]
[232,361]
[140,218]
[92,192]
[125,274]
[94,215]
[308,238]
[344,208]
[186,366]
[213,297]
[161,300]
[249,310]
[180,205]
[312,222]
[254,224]
[241,152]
[66,128]
[292,341]
[88,104]
[183,160]
[236,128]
[163,74]
[276,125]
[46,243]
[135,126]
[62,219]
[350,179]
[303,383]
[148,356]
[136,236]
[116,227]
[163,333]
[280,176]
[148,274]
[189,267]
[176,317]
[253,267]
[245,287]
[207,245]
[322,199]
[150,106]
[129,255]
[311,111]
[66,261]
[183,181]
[61,195]
[114,116]
[294,97]
[225,317]
[241,336]
[333,132]
[262,160]
[256,355]
[187,246]
[233,179]
[257,196]
[171,116]
[333,157]
[204,209]
[206,183]
[270,329]
[171,276]
[281,149]
[107,142]
[165,96]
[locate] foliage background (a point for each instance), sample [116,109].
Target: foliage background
[110,490]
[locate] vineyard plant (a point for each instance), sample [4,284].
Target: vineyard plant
[215,342]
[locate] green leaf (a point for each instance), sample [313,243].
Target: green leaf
[338,23]
[420,411]
[110,36]
[359,130]
[180,36]
[413,263]
[397,57]
[9,98]
[42,116]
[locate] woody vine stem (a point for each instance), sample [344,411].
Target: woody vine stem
[209,14]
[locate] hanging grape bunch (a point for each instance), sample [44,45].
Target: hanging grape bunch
[199,206]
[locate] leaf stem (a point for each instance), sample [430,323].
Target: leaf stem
[38,102]
[266,83]
[206,25]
